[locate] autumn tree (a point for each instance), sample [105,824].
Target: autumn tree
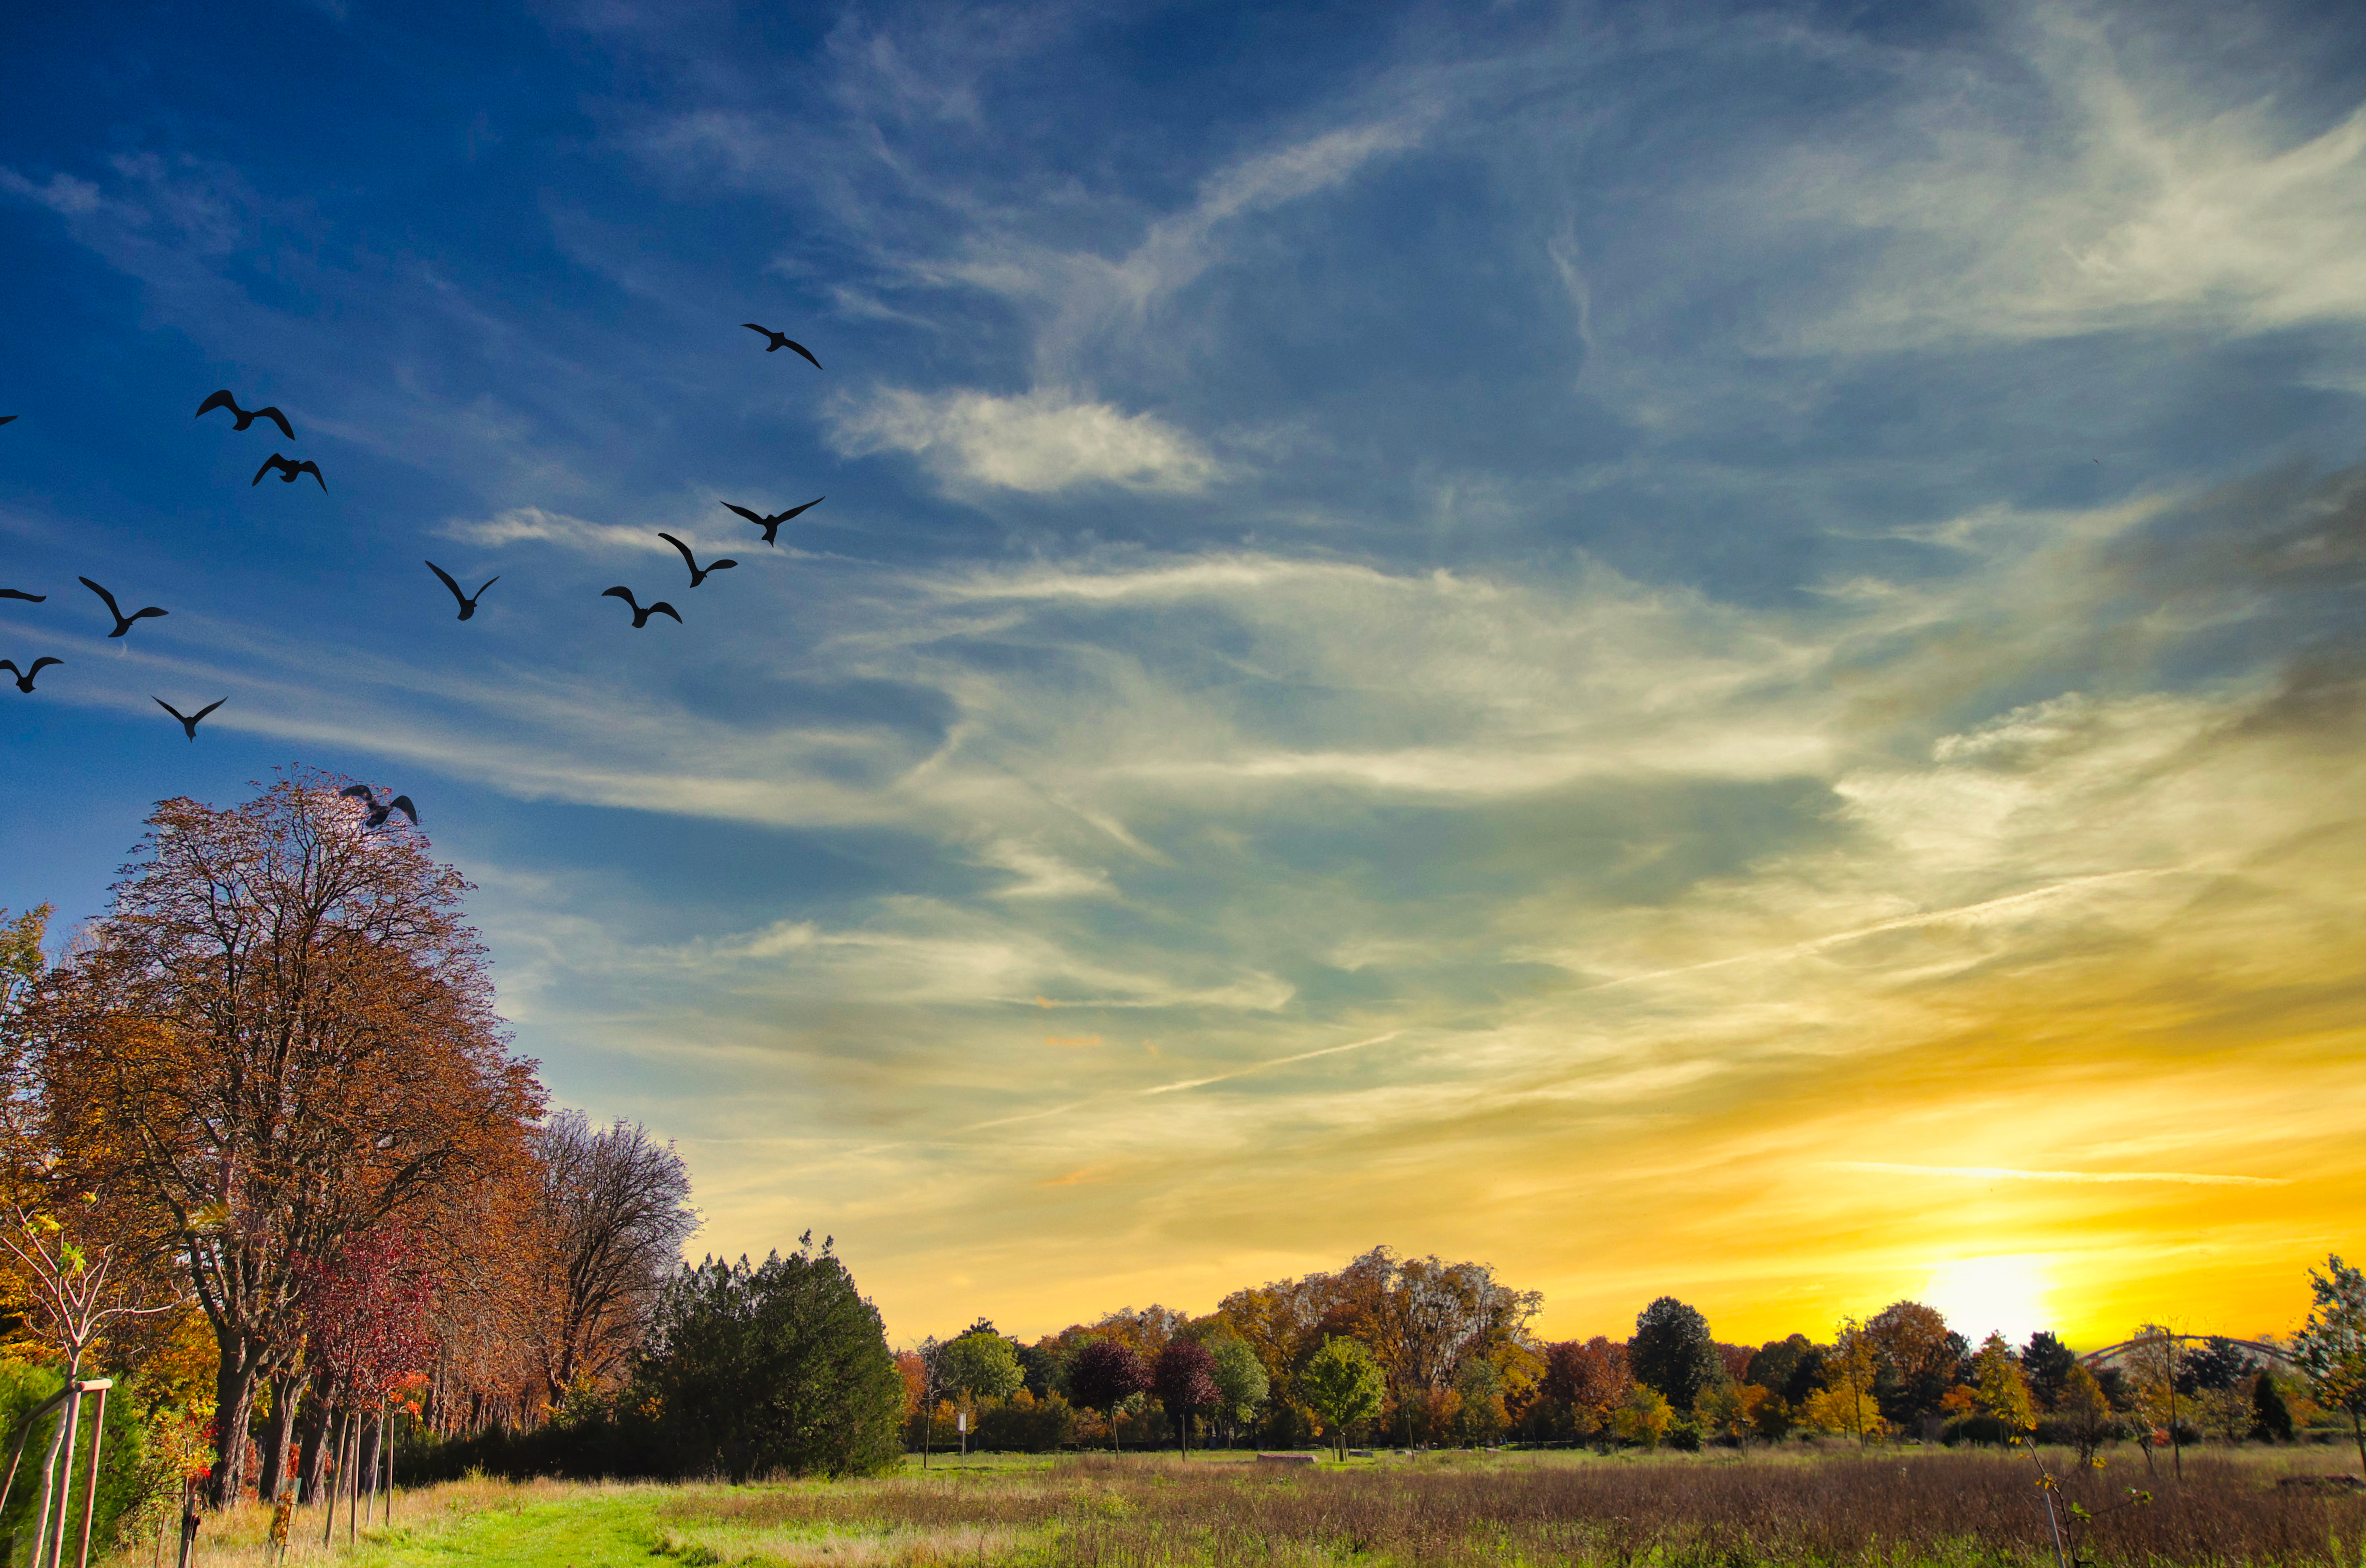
[1185,1379]
[1673,1352]
[1846,1403]
[2331,1348]
[2082,1411]
[1642,1417]
[1916,1355]
[2000,1385]
[1106,1375]
[612,1211]
[366,1334]
[1587,1381]
[1427,1318]
[2156,1366]
[73,1266]
[281,1036]
[1729,1411]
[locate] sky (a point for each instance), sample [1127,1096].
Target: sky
[1686,648]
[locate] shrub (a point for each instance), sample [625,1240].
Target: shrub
[780,1367]
[1025,1423]
[122,1478]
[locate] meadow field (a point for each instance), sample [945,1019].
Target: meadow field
[1895,1508]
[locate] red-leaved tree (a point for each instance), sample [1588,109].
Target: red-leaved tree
[1185,1378]
[1105,1376]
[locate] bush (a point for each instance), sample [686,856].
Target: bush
[781,1367]
[1024,1424]
[121,1484]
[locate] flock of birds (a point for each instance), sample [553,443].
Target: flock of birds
[376,811]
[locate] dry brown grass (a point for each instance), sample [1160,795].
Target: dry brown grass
[1950,1510]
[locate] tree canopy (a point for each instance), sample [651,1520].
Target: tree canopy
[281,1037]
[1673,1352]
[1343,1385]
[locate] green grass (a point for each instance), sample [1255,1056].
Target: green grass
[1898,1509]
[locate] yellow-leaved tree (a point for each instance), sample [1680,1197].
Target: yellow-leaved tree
[2002,1388]
[1846,1403]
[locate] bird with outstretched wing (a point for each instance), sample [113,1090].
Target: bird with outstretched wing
[377,810]
[188,720]
[772,525]
[25,677]
[781,341]
[122,621]
[287,471]
[222,400]
[467,601]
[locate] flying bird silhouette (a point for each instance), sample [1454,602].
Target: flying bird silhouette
[5,418]
[222,400]
[772,525]
[188,720]
[781,341]
[122,621]
[641,613]
[697,574]
[20,594]
[287,471]
[25,677]
[467,601]
[379,810]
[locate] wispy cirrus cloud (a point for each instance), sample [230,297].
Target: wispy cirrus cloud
[2097,189]
[2102,1178]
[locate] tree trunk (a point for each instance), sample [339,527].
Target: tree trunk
[314,1432]
[287,1396]
[242,1361]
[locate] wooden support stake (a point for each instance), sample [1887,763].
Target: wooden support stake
[90,1485]
[52,1546]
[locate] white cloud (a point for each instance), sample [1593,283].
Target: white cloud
[533,523]
[1040,443]
[62,194]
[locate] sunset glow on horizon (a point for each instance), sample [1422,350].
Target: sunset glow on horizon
[1713,650]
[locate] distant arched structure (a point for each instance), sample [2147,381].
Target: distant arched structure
[2109,1354]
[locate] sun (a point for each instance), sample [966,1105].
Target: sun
[2007,1293]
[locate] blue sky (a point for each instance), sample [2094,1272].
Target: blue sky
[1549,633]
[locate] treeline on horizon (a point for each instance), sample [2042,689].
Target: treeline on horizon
[1443,1355]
